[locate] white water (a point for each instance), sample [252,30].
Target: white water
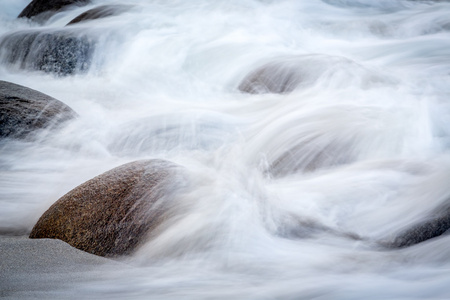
[164,85]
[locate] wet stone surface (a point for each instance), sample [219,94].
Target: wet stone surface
[24,111]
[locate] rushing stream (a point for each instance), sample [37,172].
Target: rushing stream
[295,186]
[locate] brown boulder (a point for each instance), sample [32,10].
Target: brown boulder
[282,75]
[112,213]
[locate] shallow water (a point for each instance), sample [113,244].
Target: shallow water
[291,195]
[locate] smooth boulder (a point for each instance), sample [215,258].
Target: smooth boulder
[113,213]
[37,7]
[282,75]
[24,111]
[100,12]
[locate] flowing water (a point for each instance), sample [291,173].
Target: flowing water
[291,195]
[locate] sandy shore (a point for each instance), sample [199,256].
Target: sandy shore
[46,268]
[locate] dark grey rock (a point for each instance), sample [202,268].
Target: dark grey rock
[434,225]
[23,111]
[37,7]
[59,52]
[100,12]
[112,213]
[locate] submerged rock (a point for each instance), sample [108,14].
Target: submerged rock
[318,139]
[37,7]
[24,110]
[100,12]
[437,224]
[60,52]
[112,213]
[274,77]
[285,74]
[310,157]
[181,131]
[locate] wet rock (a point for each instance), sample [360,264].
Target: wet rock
[112,213]
[285,74]
[100,12]
[60,52]
[181,131]
[310,157]
[437,224]
[271,78]
[312,140]
[23,111]
[37,7]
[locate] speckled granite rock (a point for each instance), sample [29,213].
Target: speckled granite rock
[436,224]
[61,52]
[24,110]
[112,213]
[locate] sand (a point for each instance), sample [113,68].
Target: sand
[46,268]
